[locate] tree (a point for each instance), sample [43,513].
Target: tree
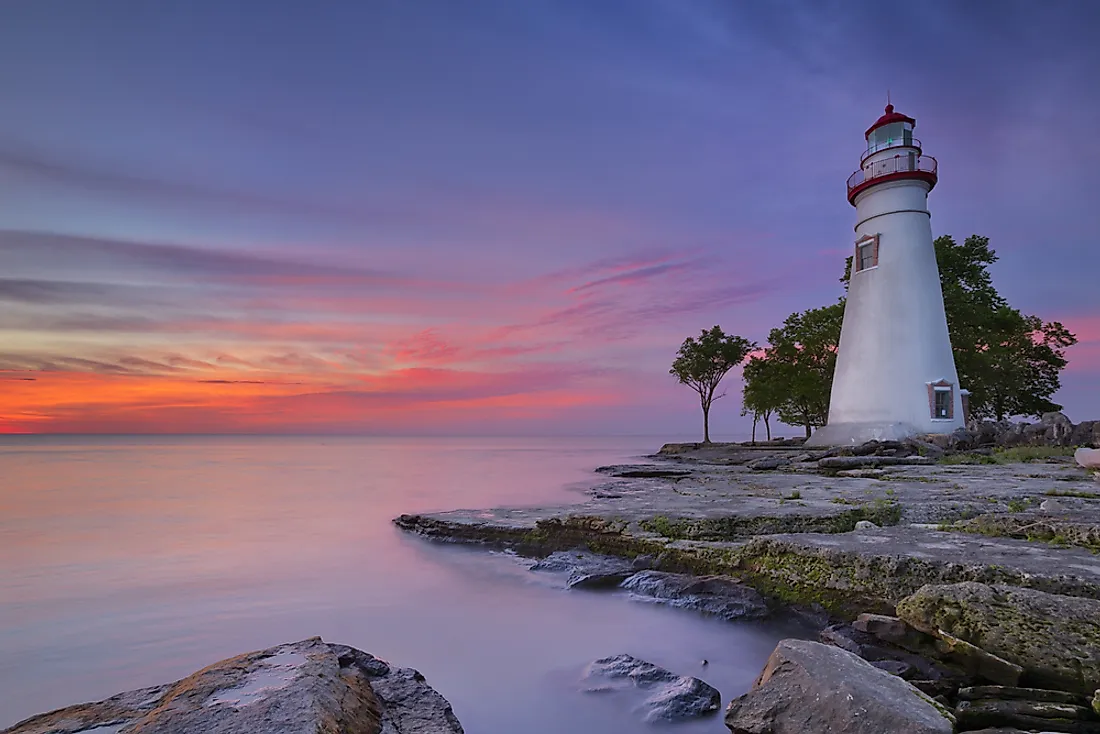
[802,354]
[763,393]
[702,363]
[1010,362]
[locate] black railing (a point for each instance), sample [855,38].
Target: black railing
[909,142]
[899,164]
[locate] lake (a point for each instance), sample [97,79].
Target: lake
[132,561]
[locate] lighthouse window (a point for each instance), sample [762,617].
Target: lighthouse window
[866,253]
[888,134]
[941,399]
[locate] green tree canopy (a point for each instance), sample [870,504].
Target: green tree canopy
[802,357]
[702,363]
[763,392]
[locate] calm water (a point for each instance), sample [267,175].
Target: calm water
[128,562]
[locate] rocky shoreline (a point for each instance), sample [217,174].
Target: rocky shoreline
[952,584]
[954,580]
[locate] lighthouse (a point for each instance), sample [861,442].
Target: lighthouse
[895,372]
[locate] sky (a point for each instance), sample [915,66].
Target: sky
[495,217]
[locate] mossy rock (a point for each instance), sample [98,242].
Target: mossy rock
[1054,638]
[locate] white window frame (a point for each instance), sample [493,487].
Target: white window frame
[872,241]
[938,387]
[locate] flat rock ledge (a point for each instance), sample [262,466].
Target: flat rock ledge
[307,686]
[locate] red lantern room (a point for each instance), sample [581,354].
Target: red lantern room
[892,154]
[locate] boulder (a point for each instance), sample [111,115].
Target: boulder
[866,525]
[1086,433]
[1088,458]
[1055,639]
[720,596]
[811,687]
[587,570]
[925,448]
[306,686]
[670,697]
[1053,429]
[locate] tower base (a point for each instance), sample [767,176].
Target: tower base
[853,434]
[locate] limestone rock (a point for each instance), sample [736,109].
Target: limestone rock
[871,462]
[1086,433]
[587,570]
[866,525]
[721,596]
[1010,693]
[890,629]
[925,448]
[976,661]
[1055,639]
[862,473]
[306,686]
[671,697]
[810,687]
[1088,458]
[1058,717]
[768,463]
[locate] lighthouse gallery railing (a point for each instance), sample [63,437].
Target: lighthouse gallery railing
[890,166]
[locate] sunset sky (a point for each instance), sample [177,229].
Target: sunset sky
[495,217]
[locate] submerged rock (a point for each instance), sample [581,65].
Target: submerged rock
[721,596]
[306,686]
[1055,639]
[671,697]
[811,687]
[587,570]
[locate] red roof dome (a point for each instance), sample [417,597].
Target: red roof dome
[887,118]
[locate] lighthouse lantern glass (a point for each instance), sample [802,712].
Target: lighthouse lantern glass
[896,133]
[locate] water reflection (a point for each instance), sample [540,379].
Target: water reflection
[129,562]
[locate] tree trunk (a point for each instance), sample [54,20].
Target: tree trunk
[754,419]
[768,425]
[706,423]
[809,430]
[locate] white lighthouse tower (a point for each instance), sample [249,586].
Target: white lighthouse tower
[895,373]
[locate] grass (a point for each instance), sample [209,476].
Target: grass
[1026,454]
[1072,493]
[1019,505]
[795,495]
